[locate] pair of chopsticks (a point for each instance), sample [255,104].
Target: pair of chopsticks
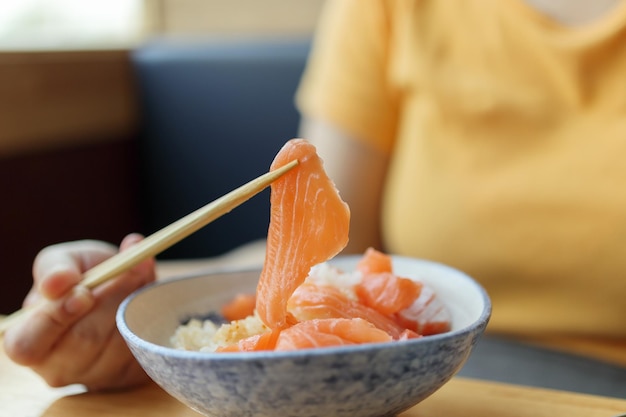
[166,237]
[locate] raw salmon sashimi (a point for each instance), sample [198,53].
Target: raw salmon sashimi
[374,261]
[309,224]
[427,315]
[311,301]
[255,343]
[387,292]
[240,307]
[329,332]
[380,288]
[414,305]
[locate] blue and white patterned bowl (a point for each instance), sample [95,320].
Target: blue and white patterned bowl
[364,380]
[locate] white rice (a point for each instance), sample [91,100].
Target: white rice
[207,336]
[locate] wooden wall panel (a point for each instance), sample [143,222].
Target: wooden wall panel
[50,99]
[68,158]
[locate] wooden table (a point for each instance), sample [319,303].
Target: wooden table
[24,394]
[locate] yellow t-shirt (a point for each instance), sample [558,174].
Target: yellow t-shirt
[507,138]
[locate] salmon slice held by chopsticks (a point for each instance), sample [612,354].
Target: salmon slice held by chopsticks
[309,224]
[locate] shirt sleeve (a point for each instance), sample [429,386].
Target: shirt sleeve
[346,82]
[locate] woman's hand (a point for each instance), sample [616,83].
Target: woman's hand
[73,337]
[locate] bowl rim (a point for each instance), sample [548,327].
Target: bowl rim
[130,336]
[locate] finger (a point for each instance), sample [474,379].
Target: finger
[31,342]
[109,366]
[136,277]
[31,298]
[145,270]
[90,337]
[58,268]
[115,368]
[49,330]
[130,240]
[103,352]
[93,333]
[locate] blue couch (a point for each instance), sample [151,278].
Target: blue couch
[215,112]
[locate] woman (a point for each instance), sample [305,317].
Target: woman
[486,135]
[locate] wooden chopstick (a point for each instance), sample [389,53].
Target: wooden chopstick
[166,237]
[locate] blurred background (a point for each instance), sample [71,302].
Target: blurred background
[81,88]
[67,24]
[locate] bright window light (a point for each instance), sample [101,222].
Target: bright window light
[45,24]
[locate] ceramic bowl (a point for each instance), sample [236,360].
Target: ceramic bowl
[380,379]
